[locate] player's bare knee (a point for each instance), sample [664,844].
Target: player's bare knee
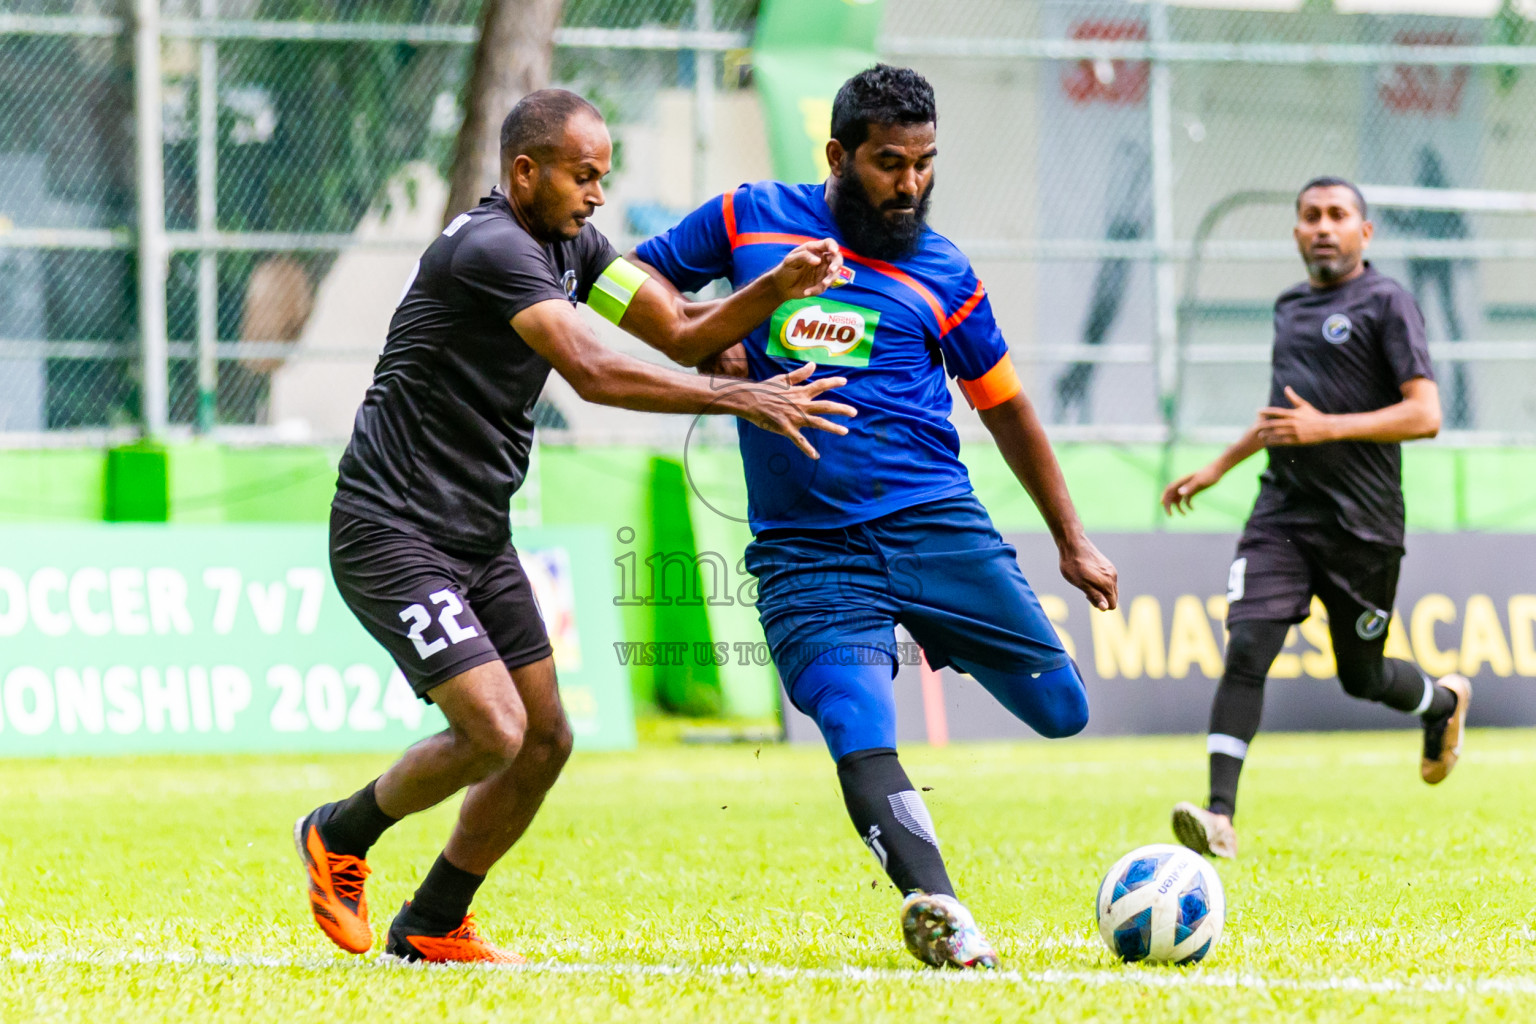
[504,741]
[494,742]
[546,750]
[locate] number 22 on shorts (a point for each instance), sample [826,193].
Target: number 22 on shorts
[419,619]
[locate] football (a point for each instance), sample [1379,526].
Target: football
[1162,903]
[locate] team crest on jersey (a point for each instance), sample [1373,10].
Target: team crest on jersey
[1371,624]
[1336,329]
[568,283]
[844,276]
[821,331]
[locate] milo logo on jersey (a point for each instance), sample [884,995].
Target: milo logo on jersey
[822,331]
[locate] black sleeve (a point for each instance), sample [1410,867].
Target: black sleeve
[505,269]
[593,253]
[1402,338]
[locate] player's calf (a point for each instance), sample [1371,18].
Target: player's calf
[892,820]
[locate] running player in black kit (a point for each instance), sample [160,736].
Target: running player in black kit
[420,541]
[1351,380]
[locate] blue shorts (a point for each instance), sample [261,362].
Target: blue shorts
[940,569]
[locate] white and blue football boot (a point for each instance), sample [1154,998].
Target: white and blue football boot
[941,933]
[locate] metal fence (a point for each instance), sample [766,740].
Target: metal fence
[176,287]
[1126,172]
[207,207]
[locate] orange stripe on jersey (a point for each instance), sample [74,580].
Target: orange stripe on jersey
[768,238]
[728,210]
[944,323]
[958,318]
[994,387]
[897,274]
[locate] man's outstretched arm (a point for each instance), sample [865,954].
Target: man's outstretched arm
[1181,493]
[692,333]
[1025,448]
[1416,416]
[730,363]
[783,404]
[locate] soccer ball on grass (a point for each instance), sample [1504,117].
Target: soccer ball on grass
[1162,903]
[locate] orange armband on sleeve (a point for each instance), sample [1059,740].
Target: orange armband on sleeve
[994,387]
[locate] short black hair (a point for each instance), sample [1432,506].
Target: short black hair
[536,126]
[1329,181]
[880,95]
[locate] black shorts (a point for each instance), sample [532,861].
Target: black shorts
[437,612]
[1279,567]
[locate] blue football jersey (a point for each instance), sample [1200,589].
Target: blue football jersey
[892,329]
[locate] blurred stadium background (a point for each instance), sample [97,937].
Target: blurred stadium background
[208,207]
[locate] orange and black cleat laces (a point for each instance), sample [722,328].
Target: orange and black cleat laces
[336,897]
[409,940]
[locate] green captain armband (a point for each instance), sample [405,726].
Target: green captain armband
[615,289]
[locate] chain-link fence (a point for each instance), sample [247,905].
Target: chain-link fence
[1120,172]
[304,146]
[1124,174]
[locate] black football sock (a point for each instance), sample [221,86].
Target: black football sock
[1398,684]
[893,821]
[1239,705]
[1441,703]
[1406,681]
[355,823]
[444,896]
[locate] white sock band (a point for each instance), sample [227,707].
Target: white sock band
[1220,743]
[1429,695]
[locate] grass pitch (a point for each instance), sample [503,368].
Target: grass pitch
[680,883]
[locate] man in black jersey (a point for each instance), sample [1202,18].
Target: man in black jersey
[1351,380]
[420,541]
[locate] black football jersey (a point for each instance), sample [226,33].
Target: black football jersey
[1344,349]
[442,438]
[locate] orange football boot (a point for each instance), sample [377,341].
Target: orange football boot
[335,886]
[411,940]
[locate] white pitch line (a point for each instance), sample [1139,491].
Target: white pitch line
[1171,978]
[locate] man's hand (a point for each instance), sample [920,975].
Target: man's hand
[1179,494]
[1086,568]
[1302,424]
[785,405]
[809,269]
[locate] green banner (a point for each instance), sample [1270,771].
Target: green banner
[803,52]
[173,638]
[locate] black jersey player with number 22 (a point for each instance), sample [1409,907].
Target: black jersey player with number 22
[420,541]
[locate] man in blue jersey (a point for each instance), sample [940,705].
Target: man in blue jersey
[884,528]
